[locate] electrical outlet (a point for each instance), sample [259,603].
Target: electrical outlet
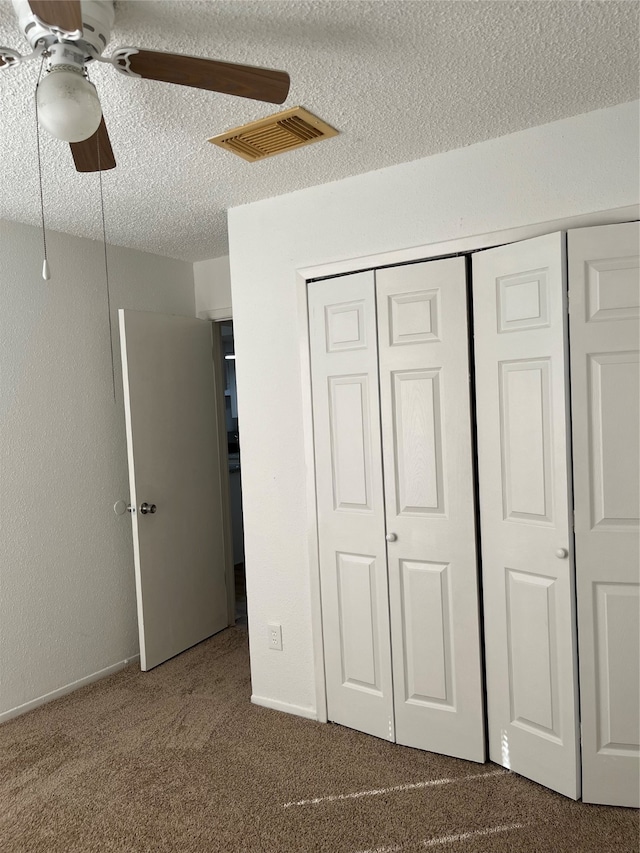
[274,636]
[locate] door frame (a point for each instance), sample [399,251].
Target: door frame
[216,316]
[225,490]
[426,252]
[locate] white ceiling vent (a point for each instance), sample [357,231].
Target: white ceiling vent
[275,134]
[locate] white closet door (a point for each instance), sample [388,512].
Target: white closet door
[519,298]
[429,496]
[353,569]
[604,289]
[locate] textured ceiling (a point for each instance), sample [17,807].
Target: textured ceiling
[400,80]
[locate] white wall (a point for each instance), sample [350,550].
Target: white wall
[212,280]
[579,165]
[67,593]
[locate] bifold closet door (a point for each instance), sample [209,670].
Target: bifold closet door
[351,533]
[521,360]
[412,599]
[430,513]
[604,292]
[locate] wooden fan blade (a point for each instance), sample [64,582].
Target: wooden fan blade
[85,154]
[64,15]
[246,81]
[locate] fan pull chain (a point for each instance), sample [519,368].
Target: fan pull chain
[106,269]
[46,272]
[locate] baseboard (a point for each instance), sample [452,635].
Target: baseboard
[275,705]
[68,688]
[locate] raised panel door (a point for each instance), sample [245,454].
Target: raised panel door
[430,509]
[604,287]
[350,500]
[520,334]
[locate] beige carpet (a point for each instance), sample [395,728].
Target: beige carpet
[179,760]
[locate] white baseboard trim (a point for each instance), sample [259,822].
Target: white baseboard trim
[275,705]
[68,688]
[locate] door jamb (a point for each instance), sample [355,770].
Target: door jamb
[218,373]
[304,275]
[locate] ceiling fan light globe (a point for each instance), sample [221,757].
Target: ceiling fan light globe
[68,106]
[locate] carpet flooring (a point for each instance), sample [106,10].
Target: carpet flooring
[178,759]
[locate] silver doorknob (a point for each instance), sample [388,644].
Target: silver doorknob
[147,508]
[562,553]
[391,537]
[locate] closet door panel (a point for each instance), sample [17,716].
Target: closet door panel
[604,290]
[353,570]
[519,298]
[429,489]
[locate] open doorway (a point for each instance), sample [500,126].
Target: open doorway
[235,475]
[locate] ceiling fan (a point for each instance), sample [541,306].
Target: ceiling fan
[70,34]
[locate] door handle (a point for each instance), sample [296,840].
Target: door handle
[391,537]
[146,508]
[562,553]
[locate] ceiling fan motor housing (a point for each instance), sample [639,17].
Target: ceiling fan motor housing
[97,21]
[65,54]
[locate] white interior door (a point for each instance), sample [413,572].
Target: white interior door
[171,420]
[519,298]
[604,291]
[353,569]
[430,512]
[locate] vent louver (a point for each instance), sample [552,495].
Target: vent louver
[275,134]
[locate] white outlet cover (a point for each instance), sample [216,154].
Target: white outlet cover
[274,636]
